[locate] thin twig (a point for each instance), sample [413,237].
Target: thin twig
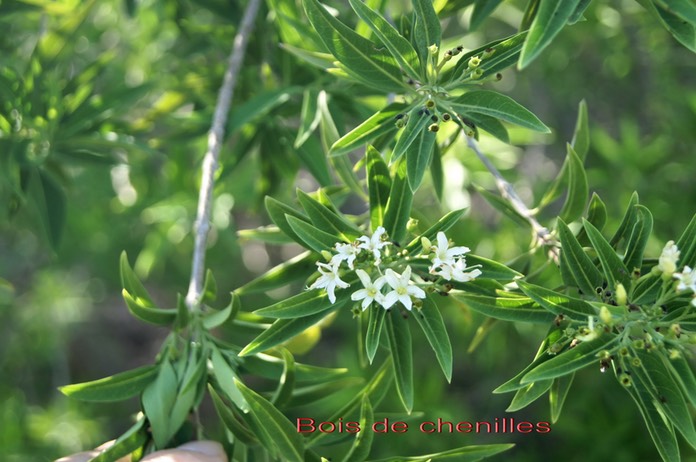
[541,233]
[210,161]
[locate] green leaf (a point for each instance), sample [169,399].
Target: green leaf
[113,388]
[399,336]
[297,268]
[284,329]
[687,244]
[570,360]
[378,186]
[550,18]
[638,239]
[286,384]
[278,212]
[426,29]
[326,219]
[502,206]
[661,430]
[309,117]
[657,378]
[319,391]
[430,320]
[558,394]
[52,206]
[463,454]
[398,208]
[418,157]
[522,309]
[581,134]
[229,420]
[361,56]
[443,224]
[132,440]
[362,443]
[271,367]
[156,316]
[209,287]
[286,441]
[375,322]
[258,106]
[491,125]
[216,318]
[270,234]
[376,389]
[685,9]
[491,269]
[541,357]
[482,9]
[418,119]
[225,376]
[400,48]
[131,283]
[158,399]
[500,54]
[681,29]
[578,189]
[437,173]
[499,106]
[558,303]
[378,124]
[587,277]
[314,238]
[303,304]
[627,222]
[597,212]
[311,153]
[615,271]
[684,375]
[577,15]
[528,394]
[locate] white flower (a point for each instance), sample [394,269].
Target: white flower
[668,259]
[687,279]
[374,243]
[371,291]
[329,279]
[444,255]
[457,271]
[346,252]
[402,287]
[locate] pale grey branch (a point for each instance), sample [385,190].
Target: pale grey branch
[210,161]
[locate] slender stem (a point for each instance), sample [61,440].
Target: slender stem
[541,233]
[210,161]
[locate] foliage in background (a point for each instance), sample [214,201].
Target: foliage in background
[100,128]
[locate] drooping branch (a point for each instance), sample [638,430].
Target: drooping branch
[507,191]
[210,161]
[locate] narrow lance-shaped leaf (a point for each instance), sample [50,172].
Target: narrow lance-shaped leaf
[682,30]
[156,316]
[288,442]
[550,18]
[521,309]
[398,209]
[315,238]
[586,275]
[401,351]
[418,119]
[627,222]
[427,30]
[278,212]
[687,244]
[113,388]
[400,48]
[482,9]
[132,283]
[297,268]
[377,124]
[284,329]
[443,224]
[499,106]
[430,320]
[378,185]
[558,393]
[375,322]
[158,400]
[463,454]
[661,430]
[558,303]
[572,359]
[361,56]
[418,157]
[574,205]
[309,117]
[614,269]
[528,394]
[326,219]
[362,443]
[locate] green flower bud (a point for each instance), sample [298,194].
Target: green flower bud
[326,254]
[427,245]
[412,225]
[636,362]
[639,344]
[474,62]
[625,380]
[487,53]
[605,316]
[624,351]
[430,104]
[434,128]
[477,74]
[620,295]
[433,49]
[446,117]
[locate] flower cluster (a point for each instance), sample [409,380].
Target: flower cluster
[384,272]
[667,264]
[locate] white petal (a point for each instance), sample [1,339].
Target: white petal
[359,295]
[392,278]
[364,278]
[366,302]
[406,301]
[389,299]
[415,291]
[442,243]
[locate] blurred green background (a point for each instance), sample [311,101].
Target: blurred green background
[104,108]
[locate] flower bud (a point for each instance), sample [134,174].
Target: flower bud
[625,380]
[446,117]
[487,53]
[427,245]
[326,254]
[620,295]
[412,225]
[474,62]
[434,128]
[606,316]
[477,74]
[433,49]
